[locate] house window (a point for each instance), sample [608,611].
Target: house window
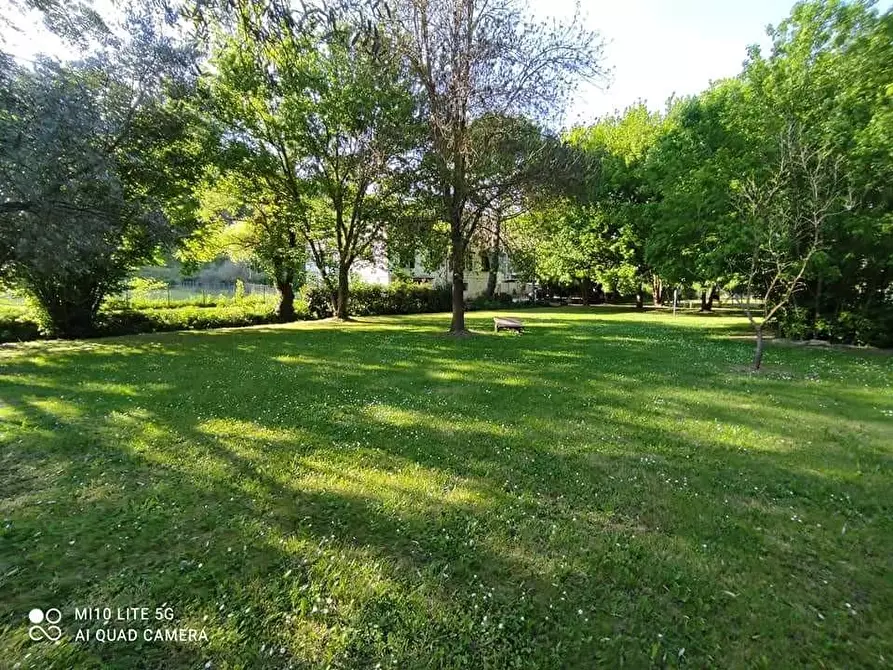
[485,261]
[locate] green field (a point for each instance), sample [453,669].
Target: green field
[609,489]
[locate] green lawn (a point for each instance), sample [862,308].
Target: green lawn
[608,489]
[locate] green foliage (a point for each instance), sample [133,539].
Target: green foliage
[603,491]
[321,142]
[118,316]
[370,299]
[809,115]
[498,301]
[18,324]
[600,234]
[151,320]
[141,287]
[695,236]
[96,164]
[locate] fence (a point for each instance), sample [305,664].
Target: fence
[202,292]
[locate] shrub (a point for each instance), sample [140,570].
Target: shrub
[499,300]
[794,323]
[18,324]
[140,303]
[848,327]
[372,299]
[124,322]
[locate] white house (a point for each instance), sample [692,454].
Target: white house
[476,273]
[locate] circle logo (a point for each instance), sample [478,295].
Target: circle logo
[52,632]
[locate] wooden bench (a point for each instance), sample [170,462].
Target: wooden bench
[501,323]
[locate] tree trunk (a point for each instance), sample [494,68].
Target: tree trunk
[708,306]
[586,290]
[286,309]
[758,354]
[71,311]
[704,307]
[657,290]
[343,295]
[640,299]
[457,250]
[815,317]
[493,258]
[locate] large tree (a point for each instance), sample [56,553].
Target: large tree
[598,231]
[96,160]
[708,141]
[828,73]
[471,58]
[245,220]
[329,121]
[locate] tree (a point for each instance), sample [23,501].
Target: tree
[709,140]
[471,58]
[243,219]
[517,166]
[829,72]
[329,121]
[599,232]
[786,212]
[75,21]
[95,167]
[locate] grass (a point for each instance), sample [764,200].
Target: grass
[609,489]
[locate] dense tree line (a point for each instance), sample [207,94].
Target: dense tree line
[774,185]
[336,128]
[341,131]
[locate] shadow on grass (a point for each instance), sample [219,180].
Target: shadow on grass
[365,495]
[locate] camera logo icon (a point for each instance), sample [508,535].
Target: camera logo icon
[51,632]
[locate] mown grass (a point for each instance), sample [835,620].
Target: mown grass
[609,489]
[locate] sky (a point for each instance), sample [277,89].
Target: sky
[654,48]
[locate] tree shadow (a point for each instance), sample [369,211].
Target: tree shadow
[405,478]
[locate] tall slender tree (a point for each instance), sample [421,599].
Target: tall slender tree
[471,58]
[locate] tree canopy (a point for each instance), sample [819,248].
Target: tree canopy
[308,139]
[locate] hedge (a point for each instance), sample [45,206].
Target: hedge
[847,327]
[372,299]
[117,318]
[19,324]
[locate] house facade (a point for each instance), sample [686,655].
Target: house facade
[477,273]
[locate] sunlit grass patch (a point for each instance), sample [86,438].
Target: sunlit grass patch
[320,495]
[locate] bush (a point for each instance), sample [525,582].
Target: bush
[372,299]
[125,322]
[848,327]
[221,300]
[19,325]
[499,301]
